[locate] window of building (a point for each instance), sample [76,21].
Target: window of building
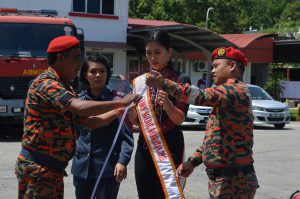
[134,67]
[108,7]
[79,5]
[94,6]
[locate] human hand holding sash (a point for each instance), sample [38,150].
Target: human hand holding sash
[138,97]
[120,111]
[128,99]
[155,79]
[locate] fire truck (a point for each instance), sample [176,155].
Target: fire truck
[24,38]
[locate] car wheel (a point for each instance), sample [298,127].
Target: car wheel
[279,126]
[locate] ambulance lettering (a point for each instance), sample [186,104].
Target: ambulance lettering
[32,72]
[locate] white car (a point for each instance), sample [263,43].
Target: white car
[197,116]
[266,110]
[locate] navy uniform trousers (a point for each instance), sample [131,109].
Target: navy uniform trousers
[84,188]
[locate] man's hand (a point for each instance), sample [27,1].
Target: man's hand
[128,99]
[185,169]
[119,111]
[155,79]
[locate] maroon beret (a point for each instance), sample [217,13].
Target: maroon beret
[229,53]
[62,43]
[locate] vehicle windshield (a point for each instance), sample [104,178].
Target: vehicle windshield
[116,83]
[29,40]
[258,93]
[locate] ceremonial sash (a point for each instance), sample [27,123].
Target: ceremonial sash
[156,143]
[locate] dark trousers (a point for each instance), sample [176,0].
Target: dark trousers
[108,188]
[147,181]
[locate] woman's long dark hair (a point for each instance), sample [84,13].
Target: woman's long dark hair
[96,58]
[161,37]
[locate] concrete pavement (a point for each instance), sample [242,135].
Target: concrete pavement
[276,154]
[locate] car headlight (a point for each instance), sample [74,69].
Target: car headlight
[257,108]
[286,108]
[192,109]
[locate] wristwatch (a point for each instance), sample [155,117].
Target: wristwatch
[194,161]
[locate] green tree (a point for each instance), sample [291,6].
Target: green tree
[140,9]
[290,18]
[228,16]
[265,14]
[225,15]
[274,83]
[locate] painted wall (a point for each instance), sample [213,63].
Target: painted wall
[291,89]
[247,74]
[96,29]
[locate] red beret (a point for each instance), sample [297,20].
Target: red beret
[229,53]
[62,43]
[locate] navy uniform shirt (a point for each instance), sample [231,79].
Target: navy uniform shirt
[93,145]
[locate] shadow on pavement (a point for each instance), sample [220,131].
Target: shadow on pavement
[273,128]
[202,128]
[193,128]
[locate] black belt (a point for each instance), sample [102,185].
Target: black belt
[229,171]
[44,160]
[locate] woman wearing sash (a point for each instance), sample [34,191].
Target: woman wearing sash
[169,114]
[94,142]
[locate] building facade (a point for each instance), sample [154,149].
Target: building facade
[109,31]
[104,23]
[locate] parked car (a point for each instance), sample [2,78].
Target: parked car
[266,110]
[119,83]
[197,115]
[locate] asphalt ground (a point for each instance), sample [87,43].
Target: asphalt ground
[276,155]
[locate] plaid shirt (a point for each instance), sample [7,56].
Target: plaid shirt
[228,138]
[48,127]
